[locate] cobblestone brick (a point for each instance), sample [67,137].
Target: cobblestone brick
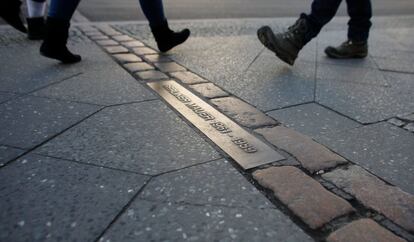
[209,90]
[131,44]
[242,112]
[99,37]
[407,117]
[139,66]
[107,42]
[169,67]
[156,58]
[312,155]
[363,230]
[188,77]
[116,49]
[151,75]
[308,199]
[127,58]
[143,51]
[122,38]
[372,192]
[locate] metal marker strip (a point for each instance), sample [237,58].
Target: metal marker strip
[243,147]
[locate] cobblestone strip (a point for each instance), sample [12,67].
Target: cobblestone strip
[299,192]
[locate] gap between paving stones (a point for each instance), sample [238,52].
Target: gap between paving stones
[173,67]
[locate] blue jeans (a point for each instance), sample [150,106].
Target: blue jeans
[62,9]
[359,11]
[153,11]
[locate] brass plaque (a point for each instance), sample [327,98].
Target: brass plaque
[243,147]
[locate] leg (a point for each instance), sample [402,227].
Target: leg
[166,38]
[35,22]
[360,12]
[10,12]
[322,11]
[57,31]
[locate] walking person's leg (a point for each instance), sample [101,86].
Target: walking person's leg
[57,31]
[286,45]
[36,19]
[360,13]
[166,38]
[10,12]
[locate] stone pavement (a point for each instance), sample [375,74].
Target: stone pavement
[91,152]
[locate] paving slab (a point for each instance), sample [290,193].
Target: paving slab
[146,137]
[8,153]
[155,58]
[312,155]
[242,112]
[143,220]
[107,42]
[117,49]
[131,44]
[46,199]
[20,74]
[313,120]
[122,38]
[138,66]
[28,121]
[99,37]
[308,199]
[382,148]
[373,193]
[214,183]
[404,63]
[361,231]
[365,102]
[102,82]
[209,90]
[143,51]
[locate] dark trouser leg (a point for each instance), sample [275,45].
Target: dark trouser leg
[322,12]
[63,9]
[360,12]
[153,11]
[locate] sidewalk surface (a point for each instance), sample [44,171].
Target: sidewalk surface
[92,152]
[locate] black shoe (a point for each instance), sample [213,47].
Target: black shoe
[36,28]
[348,49]
[285,45]
[54,44]
[10,12]
[166,38]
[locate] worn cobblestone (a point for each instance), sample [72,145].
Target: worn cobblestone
[363,230]
[122,38]
[169,67]
[188,77]
[307,199]
[372,192]
[151,75]
[312,155]
[156,58]
[127,58]
[116,49]
[409,127]
[209,90]
[242,112]
[107,42]
[143,51]
[139,66]
[396,122]
[131,44]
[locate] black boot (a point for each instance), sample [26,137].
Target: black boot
[36,28]
[286,45]
[166,38]
[348,49]
[54,44]
[10,12]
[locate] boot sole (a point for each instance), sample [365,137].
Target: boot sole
[266,37]
[355,56]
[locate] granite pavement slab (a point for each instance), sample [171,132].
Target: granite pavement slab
[213,183]
[381,148]
[142,222]
[28,121]
[144,137]
[5,96]
[8,153]
[20,74]
[46,199]
[313,120]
